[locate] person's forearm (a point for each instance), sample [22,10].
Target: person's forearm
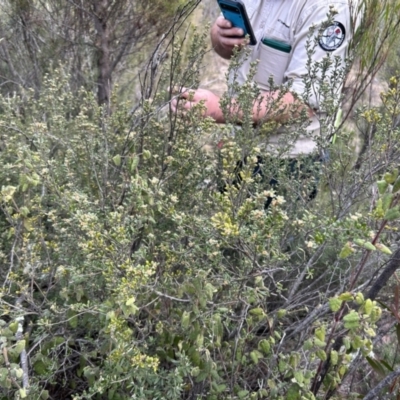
[269,106]
[279,107]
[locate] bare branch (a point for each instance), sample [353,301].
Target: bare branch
[374,393]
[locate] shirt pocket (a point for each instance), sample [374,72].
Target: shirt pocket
[272,63]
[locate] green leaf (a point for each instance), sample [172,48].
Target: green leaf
[319,343]
[378,212]
[218,328]
[264,346]
[347,296]
[257,311]
[13,326]
[19,346]
[19,373]
[347,343]
[202,376]
[321,354]
[41,366]
[281,313]
[220,388]
[24,211]
[3,374]
[396,185]
[294,359]
[320,333]
[351,320]
[392,214]
[368,306]
[377,366]
[210,290]
[185,320]
[357,342]
[195,356]
[359,298]
[335,304]
[346,251]
[389,367]
[254,356]
[363,243]
[134,163]
[130,301]
[242,394]
[308,344]
[146,154]
[298,375]
[22,393]
[200,339]
[282,366]
[334,357]
[294,392]
[117,160]
[111,393]
[387,201]
[72,318]
[381,247]
[382,186]
[390,177]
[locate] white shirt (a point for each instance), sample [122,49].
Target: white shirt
[289,21]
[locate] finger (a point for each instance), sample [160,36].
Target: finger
[188,95]
[174,105]
[232,33]
[223,23]
[179,105]
[235,32]
[231,42]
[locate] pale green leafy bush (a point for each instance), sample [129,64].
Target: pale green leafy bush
[128,273]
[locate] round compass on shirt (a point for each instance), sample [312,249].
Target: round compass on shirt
[332,37]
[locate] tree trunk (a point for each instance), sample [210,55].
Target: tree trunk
[103,52]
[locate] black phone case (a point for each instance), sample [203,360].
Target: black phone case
[235,12]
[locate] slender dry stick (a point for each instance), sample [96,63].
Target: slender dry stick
[300,279]
[373,394]
[8,366]
[23,356]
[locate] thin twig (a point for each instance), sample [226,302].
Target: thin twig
[23,356]
[373,394]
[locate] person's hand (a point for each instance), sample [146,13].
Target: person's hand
[189,98]
[224,37]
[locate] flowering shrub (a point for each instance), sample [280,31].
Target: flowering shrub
[138,265]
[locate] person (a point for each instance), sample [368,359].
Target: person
[282,29]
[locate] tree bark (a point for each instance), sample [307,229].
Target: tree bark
[385,275]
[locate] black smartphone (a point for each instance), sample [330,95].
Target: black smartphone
[235,12]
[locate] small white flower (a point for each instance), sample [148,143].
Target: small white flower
[268,193]
[279,200]
[154,181]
